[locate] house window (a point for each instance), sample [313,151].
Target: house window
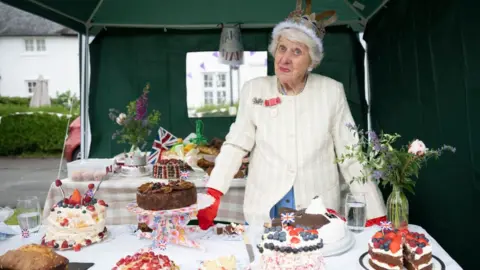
[29,45]
[213,88]
[208,97]
[41,47]
[208,80]
[31,86]
[38,45]
[221,97]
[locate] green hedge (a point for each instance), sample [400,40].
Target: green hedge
[29,133]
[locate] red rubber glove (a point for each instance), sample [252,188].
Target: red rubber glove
[375,221]
[207,215]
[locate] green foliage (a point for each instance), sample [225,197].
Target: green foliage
[32,133]
[7,109]
[384,163]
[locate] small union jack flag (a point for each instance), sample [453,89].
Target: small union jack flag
[287,218]
[386,225]
[25,233]
[162,142]
[161,244]
[184,175]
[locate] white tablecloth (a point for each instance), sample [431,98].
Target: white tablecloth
[119,191]
[123,243]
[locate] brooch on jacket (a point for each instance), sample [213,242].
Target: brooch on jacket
[267,102]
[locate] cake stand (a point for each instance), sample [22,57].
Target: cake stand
[170,226]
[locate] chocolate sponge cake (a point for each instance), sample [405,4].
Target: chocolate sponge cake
[166,196]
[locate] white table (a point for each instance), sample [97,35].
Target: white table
[119,191]
[123,243]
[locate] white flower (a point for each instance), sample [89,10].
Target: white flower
[121,118]
[417,147]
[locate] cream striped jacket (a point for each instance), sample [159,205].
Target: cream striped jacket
[292,144]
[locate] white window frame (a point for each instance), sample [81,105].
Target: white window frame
[31,88]
[208,97]
[217,85]
[33,45]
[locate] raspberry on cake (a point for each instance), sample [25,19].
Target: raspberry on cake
[395,249]
[76,221]
[145,260]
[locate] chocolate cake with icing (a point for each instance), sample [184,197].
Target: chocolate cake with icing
[169,169]
[166,196]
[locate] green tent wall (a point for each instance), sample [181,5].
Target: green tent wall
[124,60]
[424,68]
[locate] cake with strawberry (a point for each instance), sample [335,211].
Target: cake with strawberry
[145,260]
[296,239]
[76,221]
[395,249]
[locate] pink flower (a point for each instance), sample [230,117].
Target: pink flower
[417,147]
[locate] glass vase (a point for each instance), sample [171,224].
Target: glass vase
[397,208]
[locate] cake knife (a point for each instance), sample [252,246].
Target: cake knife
[251,255]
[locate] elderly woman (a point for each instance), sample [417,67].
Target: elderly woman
[293,123]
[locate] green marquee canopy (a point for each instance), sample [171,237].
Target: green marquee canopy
[93,15]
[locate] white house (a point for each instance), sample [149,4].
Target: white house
[208,81]
[30,47]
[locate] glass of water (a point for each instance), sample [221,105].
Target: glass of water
[28,214]
[356,212]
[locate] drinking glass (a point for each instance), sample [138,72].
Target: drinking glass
[356,212]
[28,214]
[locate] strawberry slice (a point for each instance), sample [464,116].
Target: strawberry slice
[378,235]
[64,244]
[77,247]
[293,233]
[295,240]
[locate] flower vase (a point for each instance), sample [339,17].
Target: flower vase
[397,208]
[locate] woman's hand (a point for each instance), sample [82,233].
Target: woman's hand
[206,216]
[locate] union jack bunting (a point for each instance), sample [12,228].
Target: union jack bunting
[287,218]
[386,225]
[184,175]
[161,244]
[162,142]
[25,233]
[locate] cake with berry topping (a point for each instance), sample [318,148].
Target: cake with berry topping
[145,260]
[170,169]
[76,222]
[157,196]
[394,249]
[296,239]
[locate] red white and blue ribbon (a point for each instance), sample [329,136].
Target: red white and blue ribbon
[287,218]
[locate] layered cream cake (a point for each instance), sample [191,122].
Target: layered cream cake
[393,249]
[295,240]
[76,222]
